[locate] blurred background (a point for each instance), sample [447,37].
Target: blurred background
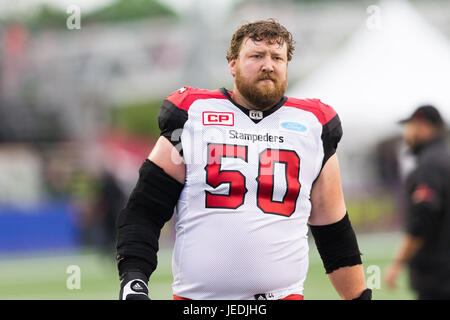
[81,83]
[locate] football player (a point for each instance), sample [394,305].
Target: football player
[247,171]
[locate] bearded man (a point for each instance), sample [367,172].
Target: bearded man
[247,171]
[425,245]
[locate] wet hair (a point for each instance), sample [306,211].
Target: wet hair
[268,30]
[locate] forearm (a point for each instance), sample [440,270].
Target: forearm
[407,250]
[139,224]
[137,247]
[349,282]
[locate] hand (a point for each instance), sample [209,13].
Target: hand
[133,286]
[391,275]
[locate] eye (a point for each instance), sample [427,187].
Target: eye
[256,56]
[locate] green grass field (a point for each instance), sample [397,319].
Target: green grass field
[44,276]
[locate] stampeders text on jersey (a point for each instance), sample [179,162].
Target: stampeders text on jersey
[253,137]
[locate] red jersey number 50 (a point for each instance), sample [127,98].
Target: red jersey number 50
[215,176]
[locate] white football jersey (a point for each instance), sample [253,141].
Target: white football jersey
[241,219]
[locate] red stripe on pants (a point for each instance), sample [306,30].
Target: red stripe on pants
[289,297]
[175,297]
[293,297]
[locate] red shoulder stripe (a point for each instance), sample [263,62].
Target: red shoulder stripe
[323,112]
[184,97]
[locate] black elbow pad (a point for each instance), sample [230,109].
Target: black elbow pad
[150,206]
[337,244]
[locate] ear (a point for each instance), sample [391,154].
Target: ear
[232,66]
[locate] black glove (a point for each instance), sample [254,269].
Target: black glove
[365,295]
[133,286]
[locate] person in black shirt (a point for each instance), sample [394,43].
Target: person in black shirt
[425,248]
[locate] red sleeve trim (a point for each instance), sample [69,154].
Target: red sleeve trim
[423,193]
[184,97]
[323,112]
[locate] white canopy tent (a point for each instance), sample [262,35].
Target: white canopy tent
[380,77]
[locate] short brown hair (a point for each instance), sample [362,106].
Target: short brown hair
[269,30]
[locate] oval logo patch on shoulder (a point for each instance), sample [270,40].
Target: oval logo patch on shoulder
[294,126]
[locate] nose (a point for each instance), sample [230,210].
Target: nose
[267,65]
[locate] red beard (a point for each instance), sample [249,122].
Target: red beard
[262,97]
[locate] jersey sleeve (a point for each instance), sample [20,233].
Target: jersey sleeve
[173,116]
[425,200]
[331,131]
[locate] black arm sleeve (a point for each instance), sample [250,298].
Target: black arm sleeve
[150,206]
[337,244]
